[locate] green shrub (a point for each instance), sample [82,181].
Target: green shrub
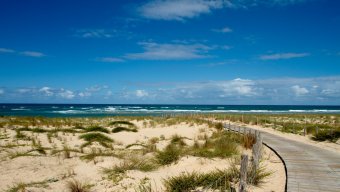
[219,126]
[327,135]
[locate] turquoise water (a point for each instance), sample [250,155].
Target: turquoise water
[83,110]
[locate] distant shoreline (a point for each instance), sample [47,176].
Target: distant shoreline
[104,110]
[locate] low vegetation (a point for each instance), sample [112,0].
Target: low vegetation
[120,129]
[216,145]
[22,187]
[329,135]
[100,138]
[132,162]
[170,154]
[77,186]
[96,129]
[123,123]
[320,127]
[57,137]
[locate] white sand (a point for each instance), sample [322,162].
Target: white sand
[58,170]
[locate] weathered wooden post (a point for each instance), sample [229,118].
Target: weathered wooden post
[304,131]
[256,152]
[243,173]
[316,130]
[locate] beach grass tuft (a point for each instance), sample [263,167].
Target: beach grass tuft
[120,129]
[123,123]
[100,138]
[248,140]
[216,179]
[77,186]
[176,139]
[220,144]
[327,135]
[170,154]
[96,129]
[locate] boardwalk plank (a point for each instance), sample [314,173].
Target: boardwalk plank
[309,168]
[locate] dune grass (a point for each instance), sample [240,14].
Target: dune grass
[176,139]
[97,153]
[248,140]
[120,129]
[100,138]
[21,187]
[169,155]
[96,129]
[66,151]
[77,186]
[213,180]
[327,135]
[41,130]
[191,181]
[132,162]
[220,144]
[16,154]
[21,136]
[123,123]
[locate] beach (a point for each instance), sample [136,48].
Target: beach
[56,159]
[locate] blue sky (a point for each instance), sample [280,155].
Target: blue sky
[170,52]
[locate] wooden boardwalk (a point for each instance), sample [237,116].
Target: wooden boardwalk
[308,168]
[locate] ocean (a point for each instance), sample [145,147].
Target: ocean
[102,110]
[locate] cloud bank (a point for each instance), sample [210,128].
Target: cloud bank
[181,10]
[279,56]
[320,90]
[168,51]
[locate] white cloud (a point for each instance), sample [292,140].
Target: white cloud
[255,3]
[278,56]
[245,91]
[66,94]
[299,91]
[226,47]
[155,51]
[96,88]
[142,93]
[24,90]
[178,9]
[110,60]
[240,86]
[95,33]
[223,30]
[181,10]
[32,54]
[84,94]
[46,91]
[4,50]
